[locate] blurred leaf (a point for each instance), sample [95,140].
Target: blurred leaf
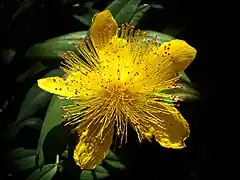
[7,55]
[83,19]
[70,36]
[34,122]
[172,31]
[123,10]
[141,10]
[116,6]
[156,6]
[33,71]
[21,159]
[87,17]
[23,7]
[31,94]
[12,130]
[52,119]
[67,2]
[40,101]
[36,99]
[48,52]
[65,154]
[47,172]
[186,93]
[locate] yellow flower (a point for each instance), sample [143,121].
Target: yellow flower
[114,81]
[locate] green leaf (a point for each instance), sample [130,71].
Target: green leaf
[123,10]
[33,71]
[52,119]
[141,10]
[48,52]
[110,166]
[113,161]
[47,172]
[111,156]
[161,37]
[116,6]
[35,99]
[172,31]
[34,104]
[98,173]
[70,36]
[13,129]
[55,142]
[83,19]
[187,93]
[86,18]
[185,78]
[34,122]
[21,159]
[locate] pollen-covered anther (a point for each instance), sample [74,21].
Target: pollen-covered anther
[63,54]
[177,105]
[128,26]
[174,84]
[180,79]
[62,68]
[176,98]
[70,52]
[138,31]
[154,40]
[64,116]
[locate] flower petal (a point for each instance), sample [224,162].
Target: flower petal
[162,63]
[176,129]
[68,87]
[178,53]
[92,148]
[164,122]
[103,28]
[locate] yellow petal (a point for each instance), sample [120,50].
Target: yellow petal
[68,87]
[164,122]
[175,131]
[92,148]
[178,53]
[103,28]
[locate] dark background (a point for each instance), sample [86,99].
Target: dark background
[204,24]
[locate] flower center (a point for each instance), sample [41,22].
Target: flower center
[118,95]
